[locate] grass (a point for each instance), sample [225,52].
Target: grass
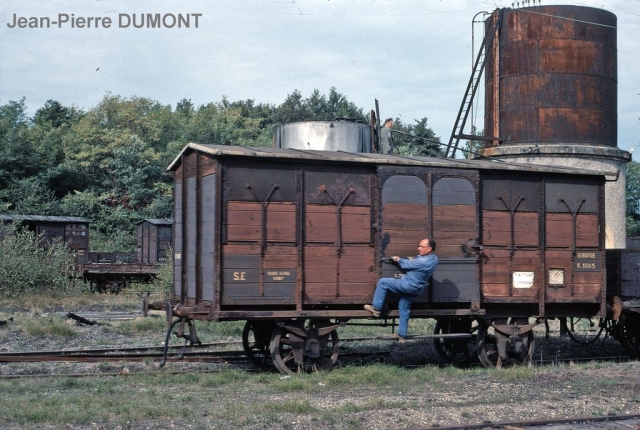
[236,399]
[140,326]
[52,326]
[343,398]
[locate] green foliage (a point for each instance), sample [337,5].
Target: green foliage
[633,199]
[107,164]
[416,139]
[163,282]
[140,326]
[27,268]
[30,196]
[50,327]
[317,107]
[16,157]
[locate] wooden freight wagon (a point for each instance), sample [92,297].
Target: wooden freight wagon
[294,242]
[74,231]
[153,240]
[113,272]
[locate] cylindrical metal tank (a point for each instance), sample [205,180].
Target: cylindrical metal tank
[555,78]
[338,135]
[551,96]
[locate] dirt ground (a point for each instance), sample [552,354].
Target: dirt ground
[558,388]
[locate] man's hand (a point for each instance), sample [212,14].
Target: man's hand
[395,258]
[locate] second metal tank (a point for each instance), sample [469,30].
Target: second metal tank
[338,135]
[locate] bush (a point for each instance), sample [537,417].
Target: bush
[163,282]
[26,267]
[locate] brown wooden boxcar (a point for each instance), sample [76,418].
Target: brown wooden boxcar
[294,242]
[74,231]
[153,240]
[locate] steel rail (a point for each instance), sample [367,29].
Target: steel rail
[211,356]
[523,424]
[111,350]
[8,356]
[136,353]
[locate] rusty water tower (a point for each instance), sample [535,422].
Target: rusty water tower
[551,95]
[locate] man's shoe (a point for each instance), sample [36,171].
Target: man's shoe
[401,339]
[374,311]
[392,336]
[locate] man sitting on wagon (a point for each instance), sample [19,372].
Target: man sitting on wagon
[418,271]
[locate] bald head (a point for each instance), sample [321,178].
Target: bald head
[426,246]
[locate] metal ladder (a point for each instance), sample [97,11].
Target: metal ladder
[472,86]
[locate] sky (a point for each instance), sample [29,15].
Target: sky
[413,56]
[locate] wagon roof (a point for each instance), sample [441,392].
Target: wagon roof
[368,158]
[157,221]
[44,218]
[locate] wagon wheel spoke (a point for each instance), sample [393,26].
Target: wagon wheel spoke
[308,354]
[286,359]
[585,331]
[627,332]
[255,342]
[487,347]
[517,349]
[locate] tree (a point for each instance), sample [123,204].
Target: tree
[416,139]
[293,109]
[17,159]
[55,115]
[107,163]
[317,107]
[185,108]
[29,196]
[633,199]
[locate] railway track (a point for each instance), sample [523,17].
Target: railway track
[207,353]
[49,356]
[177,353]
[625,421]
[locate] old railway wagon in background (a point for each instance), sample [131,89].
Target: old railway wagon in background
[74,231]
[112,272]
[294,241]
[154,240]
[105,271]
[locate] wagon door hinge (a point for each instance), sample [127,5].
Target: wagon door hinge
[574,220]
[263,222]
[512,213]
[574,239]
[323,190]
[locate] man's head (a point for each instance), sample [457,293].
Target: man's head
[426,246]
[388,122]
